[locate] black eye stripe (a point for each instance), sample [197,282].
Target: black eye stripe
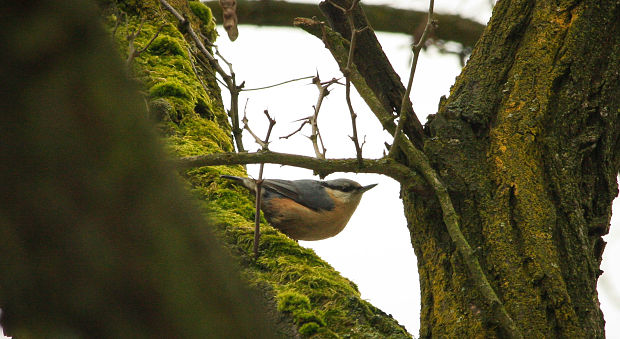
[343,188]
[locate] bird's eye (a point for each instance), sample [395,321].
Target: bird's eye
[347,188]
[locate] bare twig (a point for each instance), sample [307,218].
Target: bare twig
[246,127]
[337,45]
[278,84]
[347,73]
[131,38]
[416,53]
[358,147]
[259,185]
[191,61]
[229,14]
[259,182]
[315,136]
[305,121]
[150,41]
[209,70]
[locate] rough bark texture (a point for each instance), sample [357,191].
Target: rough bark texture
[528,145]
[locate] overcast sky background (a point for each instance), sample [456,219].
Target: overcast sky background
[374,250]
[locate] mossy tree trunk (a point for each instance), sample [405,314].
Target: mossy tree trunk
[527,144]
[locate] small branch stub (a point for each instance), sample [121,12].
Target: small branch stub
[229,13]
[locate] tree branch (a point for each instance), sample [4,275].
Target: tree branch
[347,71]
[259,182]
[417,48]
[382,18]
[313,120]
[322,167]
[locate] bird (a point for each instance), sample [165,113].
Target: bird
[307,209]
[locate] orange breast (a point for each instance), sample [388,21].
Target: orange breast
[302,223]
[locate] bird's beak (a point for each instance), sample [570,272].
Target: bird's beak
[366,188]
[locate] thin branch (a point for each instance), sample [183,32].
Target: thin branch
[209,70]
[416,53]
[191,61]
[358,147]
[259,185]
[246,127]
[338,46]
[305,121]
[229,64]
[315,136]
[322,167]
[151,41]
[259,182]
[347,74]
[278,84]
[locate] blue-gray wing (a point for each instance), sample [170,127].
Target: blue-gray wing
[309,193]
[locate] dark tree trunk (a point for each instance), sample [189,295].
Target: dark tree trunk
[527,144]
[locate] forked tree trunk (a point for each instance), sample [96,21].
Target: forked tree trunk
[527,144]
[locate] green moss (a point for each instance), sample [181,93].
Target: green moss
[166,45]
[206,17]
[291,301]
[308,329]
[201,11]
[169,89]
[309,317]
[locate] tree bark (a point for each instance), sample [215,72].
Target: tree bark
[527,144]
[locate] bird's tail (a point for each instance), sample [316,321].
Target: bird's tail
[246,182]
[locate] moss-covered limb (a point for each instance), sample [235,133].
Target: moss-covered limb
[228,78]
[322,167]
[382,18]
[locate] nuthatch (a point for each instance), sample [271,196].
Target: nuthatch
[307,209]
